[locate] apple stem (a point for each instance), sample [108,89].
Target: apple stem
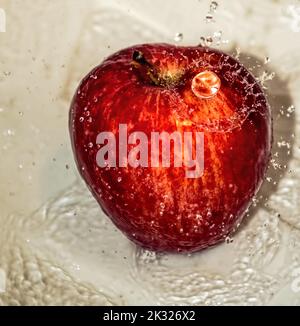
[139,61]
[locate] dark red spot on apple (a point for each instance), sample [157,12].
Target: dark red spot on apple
[160,87]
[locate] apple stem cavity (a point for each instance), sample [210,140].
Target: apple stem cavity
[139,62]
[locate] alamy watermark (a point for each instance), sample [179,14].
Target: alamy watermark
[2,21]
[188,150]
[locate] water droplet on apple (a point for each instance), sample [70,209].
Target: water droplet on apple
[206,84]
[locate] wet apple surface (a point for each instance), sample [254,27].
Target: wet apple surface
[166,88]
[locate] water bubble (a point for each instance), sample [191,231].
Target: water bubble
[178,37]
[81,119]
[90,145]
[119,179]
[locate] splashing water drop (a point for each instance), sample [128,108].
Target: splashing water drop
[291,109]
[217,36]
[206,41]
[266,76]
[213,6]
[178,37]
[209,18]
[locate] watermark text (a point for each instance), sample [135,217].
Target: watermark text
[160,150]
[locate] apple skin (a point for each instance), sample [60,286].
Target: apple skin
[159,208]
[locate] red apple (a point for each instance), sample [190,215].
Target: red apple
[161,87]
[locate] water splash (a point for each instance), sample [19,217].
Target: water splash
[178,37]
